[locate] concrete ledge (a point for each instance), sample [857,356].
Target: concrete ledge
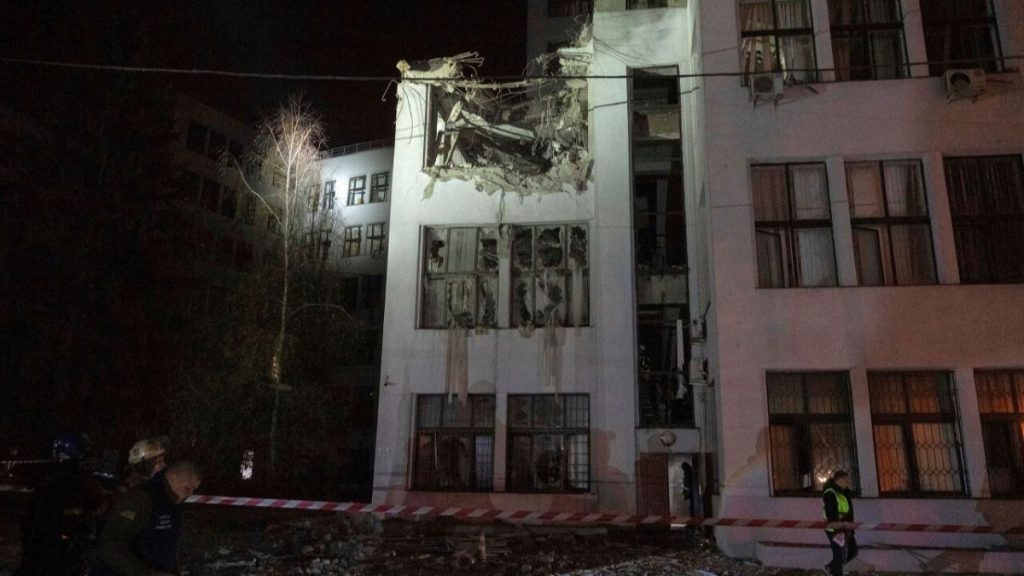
[895,558]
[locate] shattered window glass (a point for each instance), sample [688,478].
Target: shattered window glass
[550,275]
[454,447]
[549,439]
[460,283]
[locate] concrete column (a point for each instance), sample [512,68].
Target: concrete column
[822,39]
[972,442]
[864,432]
[500,440]
[842,231]
[943,239]
[913,30]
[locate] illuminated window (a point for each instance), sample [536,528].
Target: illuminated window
[379,185]
[375,234]
[892,237]
[454,446]
[1001,404]
[917,443]
[811,426]
[867,39]
[356,190]
[960,34]
[550,275]
[548,443]
[793,225]
[353,239]
[778,36]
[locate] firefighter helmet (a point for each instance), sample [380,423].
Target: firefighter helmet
[145,450]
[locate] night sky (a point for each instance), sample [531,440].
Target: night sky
[294,37]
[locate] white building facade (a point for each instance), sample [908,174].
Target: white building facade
[845,294]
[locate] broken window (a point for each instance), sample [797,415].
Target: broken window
[664,397]
[460,283]
[549,443]
[778,36]
[811,424]
[960,34]
[892,238]
[329,195]
[353,239]
[550,275]
[379,185]
[1001,404]
[356,190]
[986,197]
[454,446]
[867,39]
[793,225]
[917,443]
[375,234]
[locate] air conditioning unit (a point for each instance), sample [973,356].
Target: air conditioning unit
[964,83]
[769,86]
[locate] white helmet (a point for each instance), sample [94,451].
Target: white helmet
[144,450]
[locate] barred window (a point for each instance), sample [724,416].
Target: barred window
[811,425]
[867,39]
[329,195]
[379,185]
[550,275]
[460,283]
[778,36]
[1001,404]
[986,196]
[960,34]
[892,237]
[549,443]
[353,239]
[917,444]
[375,234]
[356,190]
[793,224]
[454,448]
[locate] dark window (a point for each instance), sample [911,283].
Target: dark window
[195,139]
[454,446]
[191,187]
[917,444]
[373,292]
[867,39]
[793,224]
[349,292]
[1001,404]
[236,150]
[812,434]
[229,203]
[548,443]
[550,274]
[211,195]
[329,195]
[569,7]
[379,184]
[460,281]
[356,190]
[960,34]
[642,4]
[375,234]
[892,238]
[353,239]
[217,146]
[986,196]
[778,36]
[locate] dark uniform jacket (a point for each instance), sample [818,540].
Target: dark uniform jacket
[141,534]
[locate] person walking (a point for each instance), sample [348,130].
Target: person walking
[141,535]
[837,501]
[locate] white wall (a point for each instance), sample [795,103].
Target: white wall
[944,327]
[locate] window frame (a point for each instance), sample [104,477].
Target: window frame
[568,8]
[356,190]
[379,192]
[886,222]
[472,431]
[866,30]
[537,273]
[905,421]
[776,33]
[426,275]
[353,237]
[375,235]
[1012,422]
[938,67]
[329,193]
[564,431]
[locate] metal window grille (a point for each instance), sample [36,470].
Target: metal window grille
[811,428]
[1001,404]
[917,444]
[460,282]
[543,261]
[549,443]
[353,238]
[454,447]
[379,185]
[867,39]
[356,190]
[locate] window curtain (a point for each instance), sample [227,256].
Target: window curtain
[913,261]
[797,52]
[816,256]
[758,51]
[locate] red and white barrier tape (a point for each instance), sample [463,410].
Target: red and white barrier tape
[528,517]
[16,462]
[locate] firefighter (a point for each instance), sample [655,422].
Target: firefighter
[58,530]
[145,460]
[838,507]
[140,537]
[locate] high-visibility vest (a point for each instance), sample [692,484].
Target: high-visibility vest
[842,504]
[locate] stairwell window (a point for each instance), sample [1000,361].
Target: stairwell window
[454,446]
[811,427]
[917,442]
[549,443]
[778,36]
[960,34]
[1001,404]
[867,39]
[986,196]
[892,237]
[793,226]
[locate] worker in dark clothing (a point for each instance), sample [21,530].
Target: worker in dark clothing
[838,507]
[145,460]
[58,531]
[141,535]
